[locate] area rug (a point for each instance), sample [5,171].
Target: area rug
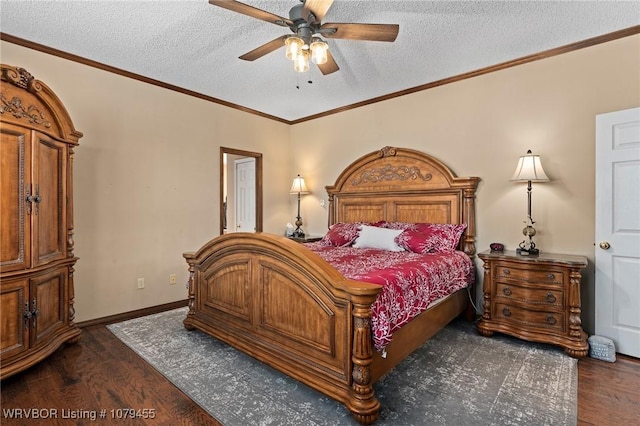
[457,378]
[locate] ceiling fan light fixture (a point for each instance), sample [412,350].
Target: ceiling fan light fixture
[319,51]
[294,47]
[305,22]
[301,62]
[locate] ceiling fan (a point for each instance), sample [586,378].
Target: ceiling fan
[306,42]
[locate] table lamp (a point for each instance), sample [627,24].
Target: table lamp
[529,170]
[298,187]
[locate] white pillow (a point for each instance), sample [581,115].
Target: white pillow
[380,238]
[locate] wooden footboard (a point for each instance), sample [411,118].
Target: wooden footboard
[281,303]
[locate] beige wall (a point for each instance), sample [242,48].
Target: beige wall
[146,179]
[479,127]
[146,172]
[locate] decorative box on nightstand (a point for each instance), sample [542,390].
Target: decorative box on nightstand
[535,298]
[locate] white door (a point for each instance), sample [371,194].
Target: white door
[245,189]
[618,229]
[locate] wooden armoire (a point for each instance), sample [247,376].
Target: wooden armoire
[36,191]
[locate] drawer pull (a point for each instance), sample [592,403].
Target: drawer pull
[506,271]
[506,312]
[551,277]
[506,291]
[551,298]
[551,319]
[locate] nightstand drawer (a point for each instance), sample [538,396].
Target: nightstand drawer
[504,272]
[531,319]
[551,298]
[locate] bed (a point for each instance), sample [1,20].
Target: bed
[282,303]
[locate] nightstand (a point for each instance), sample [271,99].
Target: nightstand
[306,239]
[535,298]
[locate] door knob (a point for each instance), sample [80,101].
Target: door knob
[604,245]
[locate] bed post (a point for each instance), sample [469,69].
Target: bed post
[364,405]
[469,196]
[191,292]
[470,219]
[332,212]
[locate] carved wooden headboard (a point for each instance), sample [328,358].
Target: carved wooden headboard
[404,185]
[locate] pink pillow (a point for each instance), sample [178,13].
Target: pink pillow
[342,234]
[431,237]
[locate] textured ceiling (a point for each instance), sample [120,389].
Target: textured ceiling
[194,45]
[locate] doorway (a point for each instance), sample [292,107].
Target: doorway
[244,197]
[240,191]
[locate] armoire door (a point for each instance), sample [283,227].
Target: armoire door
[48,304]
[49,192]
[15,187]
[14,327]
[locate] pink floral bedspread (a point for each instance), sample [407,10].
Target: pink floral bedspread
[411,281]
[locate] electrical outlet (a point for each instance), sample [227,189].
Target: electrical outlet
[140,283]
[172,279]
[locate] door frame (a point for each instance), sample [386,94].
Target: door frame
[258,183]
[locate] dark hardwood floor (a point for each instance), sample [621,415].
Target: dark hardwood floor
[609,393]
[98,373]
[101,373]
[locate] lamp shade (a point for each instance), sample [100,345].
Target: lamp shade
[294,47]
[529,169]
[319,51]
[298,186]
[301,61]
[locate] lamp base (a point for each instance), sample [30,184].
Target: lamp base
[528,252]
[528,247]
[298,233]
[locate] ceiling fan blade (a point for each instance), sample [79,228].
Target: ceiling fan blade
[268,47]
[251,11]
[330,66]
[319,8]
[372,32]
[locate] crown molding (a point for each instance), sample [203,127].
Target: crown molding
[486,70]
